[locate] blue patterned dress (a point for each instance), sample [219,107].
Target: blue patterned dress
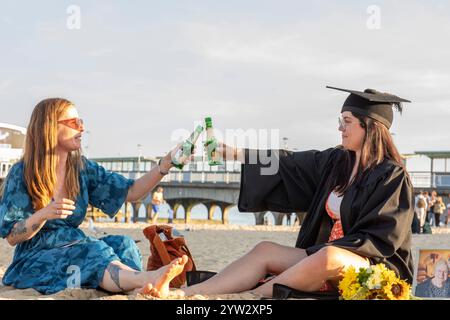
[48,262]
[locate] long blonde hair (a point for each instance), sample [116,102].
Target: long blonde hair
[40,157]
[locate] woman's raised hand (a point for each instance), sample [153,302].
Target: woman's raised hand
[228,153]
[59,209]
[172,156]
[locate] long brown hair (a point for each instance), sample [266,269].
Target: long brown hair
[378,146]
[40,157]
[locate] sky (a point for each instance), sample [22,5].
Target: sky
[145,72]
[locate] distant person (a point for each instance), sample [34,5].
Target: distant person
[171,213]
[427,197]
[438,210]
[157,201]
[288,219]
[420,211]
[44,201]
[431,201]
[439,285]
[422,196]
[448,211]
[415,226]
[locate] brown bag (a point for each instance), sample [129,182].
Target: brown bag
[164,248]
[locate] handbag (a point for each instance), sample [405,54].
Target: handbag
[426,229]
[164,248]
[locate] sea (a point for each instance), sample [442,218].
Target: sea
[200,212]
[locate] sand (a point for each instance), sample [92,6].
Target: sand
[212,246]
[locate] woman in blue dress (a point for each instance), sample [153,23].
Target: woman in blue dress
[44,200]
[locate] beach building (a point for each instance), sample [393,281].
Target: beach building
[12,141]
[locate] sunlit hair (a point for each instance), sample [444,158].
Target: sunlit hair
[378,146]
[442,263]
[40,158]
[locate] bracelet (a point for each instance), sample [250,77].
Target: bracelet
[159,168]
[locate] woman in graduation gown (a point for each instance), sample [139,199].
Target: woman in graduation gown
[358,198]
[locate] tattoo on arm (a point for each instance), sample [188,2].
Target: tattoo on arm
[114,270]
[19,228]
[35,226]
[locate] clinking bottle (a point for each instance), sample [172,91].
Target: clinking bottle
[214,158]
[187,149]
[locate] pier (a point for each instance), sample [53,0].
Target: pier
[218,187]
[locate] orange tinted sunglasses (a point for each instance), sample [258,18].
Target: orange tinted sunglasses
[73,123]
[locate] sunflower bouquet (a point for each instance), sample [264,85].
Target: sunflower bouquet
[374,283]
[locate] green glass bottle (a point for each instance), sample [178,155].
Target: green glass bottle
[214,159]
[186,149]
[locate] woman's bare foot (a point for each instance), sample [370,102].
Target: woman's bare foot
[148,289]
[160,279]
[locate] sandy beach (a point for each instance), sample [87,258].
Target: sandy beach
[207,244]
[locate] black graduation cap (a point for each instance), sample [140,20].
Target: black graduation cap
[373,104]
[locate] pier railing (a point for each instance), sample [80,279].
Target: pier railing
[194,176]
[424,179]
[419,179]
[231,174]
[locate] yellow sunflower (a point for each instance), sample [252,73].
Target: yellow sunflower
[353,292]
[349,286]
[397,290]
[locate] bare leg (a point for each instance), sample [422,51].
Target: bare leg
[155,218]
[311,273]
[246,272]
[120,278]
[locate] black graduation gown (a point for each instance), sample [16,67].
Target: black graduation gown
[376,212]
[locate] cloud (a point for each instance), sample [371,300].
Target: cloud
[4,85]
[148,70]
[288,49]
